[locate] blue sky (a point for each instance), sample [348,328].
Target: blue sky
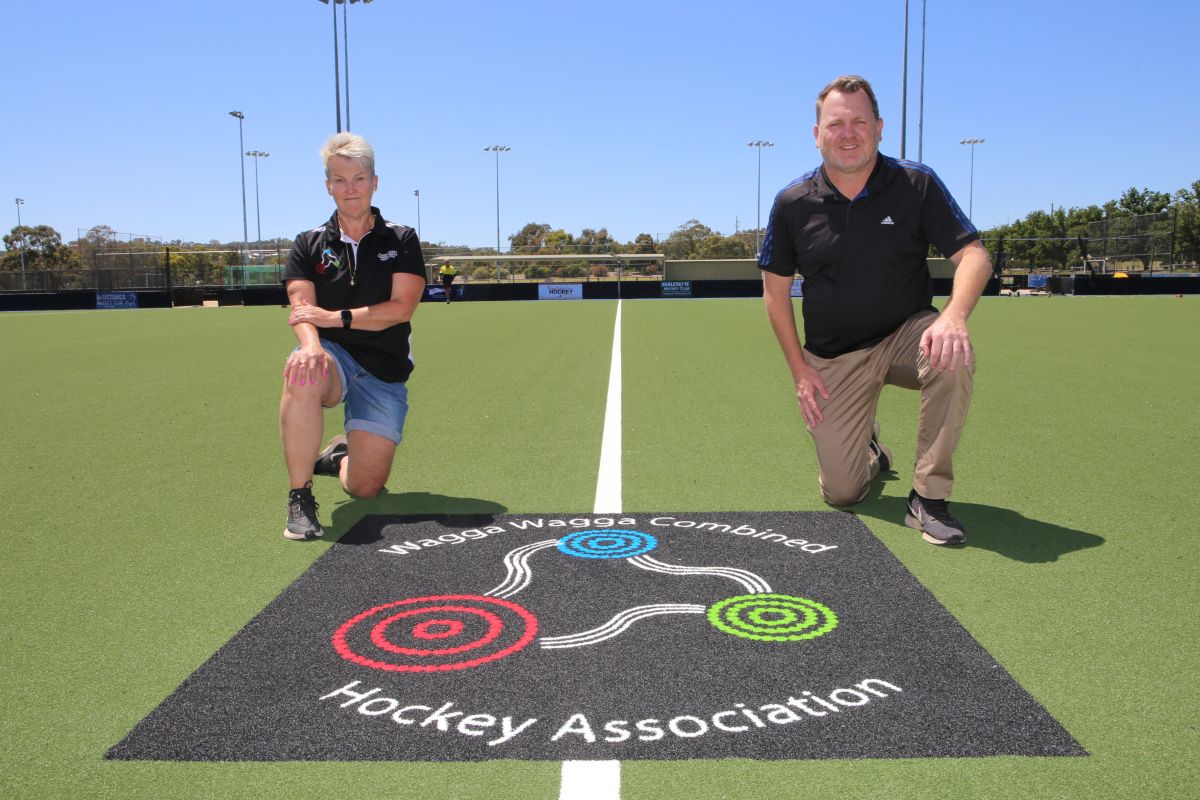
[628,115]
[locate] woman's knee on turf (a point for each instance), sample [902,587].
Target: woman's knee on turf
[366,486]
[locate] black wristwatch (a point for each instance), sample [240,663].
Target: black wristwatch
[347,317]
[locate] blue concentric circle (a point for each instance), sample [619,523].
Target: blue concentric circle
[607,543]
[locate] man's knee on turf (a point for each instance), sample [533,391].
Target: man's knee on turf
[842,496]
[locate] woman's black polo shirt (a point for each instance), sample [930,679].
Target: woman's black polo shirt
[863,260]
[343,281]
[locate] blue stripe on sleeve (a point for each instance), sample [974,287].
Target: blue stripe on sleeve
[764,258]
[958,213]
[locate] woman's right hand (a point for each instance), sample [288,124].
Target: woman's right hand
[305,365]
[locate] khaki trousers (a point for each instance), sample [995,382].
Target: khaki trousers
[854,382]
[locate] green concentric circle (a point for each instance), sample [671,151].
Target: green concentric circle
[772,617]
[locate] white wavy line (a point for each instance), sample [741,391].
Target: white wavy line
[519,575]
[753,583]
[619,624]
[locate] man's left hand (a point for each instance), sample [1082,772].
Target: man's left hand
[947,344]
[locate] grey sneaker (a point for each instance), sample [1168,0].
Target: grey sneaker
[302,522]
[881,452]
[934,520]
[329,460]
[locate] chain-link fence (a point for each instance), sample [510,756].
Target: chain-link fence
[1138,242]
[1141,243]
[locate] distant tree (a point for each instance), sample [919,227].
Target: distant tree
[558,241]
[42,249]
[644,243]
[595,241]
[191,266]
[98,239]
[684,241]
[718,246]
[574,270]
[1186,203]
[1143,202]
[530,239]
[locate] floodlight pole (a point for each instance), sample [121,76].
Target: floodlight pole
[345,58]
[497,149]
[346,52]
[256,155]
[417,194]
[337,79]
[759,145]
[971,197]
[242,162]
[21,246]
[904,87]
[921,111]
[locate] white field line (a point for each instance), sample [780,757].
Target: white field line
[601,780]
[608,485]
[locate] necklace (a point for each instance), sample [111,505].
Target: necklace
[352,253]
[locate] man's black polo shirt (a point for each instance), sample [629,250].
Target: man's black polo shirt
[863,260]
[344,281]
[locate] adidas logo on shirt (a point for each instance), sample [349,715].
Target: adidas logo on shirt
[887,221]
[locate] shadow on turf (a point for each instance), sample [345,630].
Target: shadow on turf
[455,512]
[1001,530]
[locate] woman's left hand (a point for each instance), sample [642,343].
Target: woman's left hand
[315,315]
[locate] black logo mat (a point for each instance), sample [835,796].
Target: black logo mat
[639,636]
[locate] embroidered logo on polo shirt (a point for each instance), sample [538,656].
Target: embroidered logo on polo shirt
[387,255]
[887,221]
[329,260]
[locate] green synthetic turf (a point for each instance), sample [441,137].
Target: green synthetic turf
[142,490]
[1075,477]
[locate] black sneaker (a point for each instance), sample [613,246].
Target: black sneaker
[934,520]
[329,460]
[881,452]
[302,522]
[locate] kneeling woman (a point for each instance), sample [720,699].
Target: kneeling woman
[353,284]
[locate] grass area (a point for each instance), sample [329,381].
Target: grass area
[143,492]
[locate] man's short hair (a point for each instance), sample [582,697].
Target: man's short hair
[848,84]
[351,146]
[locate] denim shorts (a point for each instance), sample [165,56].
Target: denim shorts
[370,404]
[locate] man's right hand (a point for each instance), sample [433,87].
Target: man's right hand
[808,387]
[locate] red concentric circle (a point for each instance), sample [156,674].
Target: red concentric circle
[450,627]
[379,632]
[487,627]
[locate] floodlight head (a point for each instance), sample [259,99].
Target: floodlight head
[237,114]
[20,202]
